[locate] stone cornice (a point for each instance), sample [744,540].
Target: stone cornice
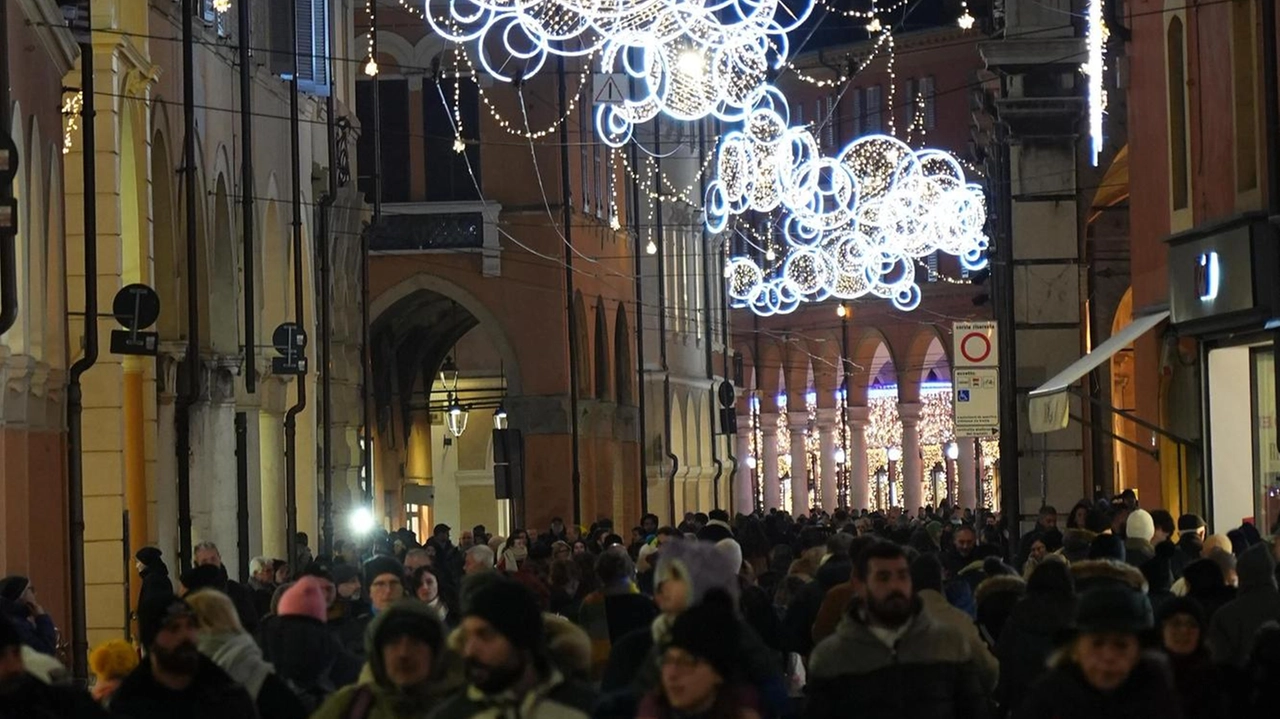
[48,24]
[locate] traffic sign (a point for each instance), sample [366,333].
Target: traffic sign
[726,394]
[290,341]
[976,402]
[608,89]
[136,307]
[975,344]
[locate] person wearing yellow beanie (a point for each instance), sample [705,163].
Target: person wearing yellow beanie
[111,662]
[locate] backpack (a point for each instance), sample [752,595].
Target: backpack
[361,704]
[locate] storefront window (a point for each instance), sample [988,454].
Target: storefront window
[1266,454]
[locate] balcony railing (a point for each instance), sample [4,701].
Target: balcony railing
[414,227]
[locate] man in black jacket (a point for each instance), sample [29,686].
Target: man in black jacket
[1191,531]
[175,680]
[207,554]
[890,659]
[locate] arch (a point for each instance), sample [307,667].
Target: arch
[1123,397]
[1114,187]
[581,345]
[169,284]
[796,371]
[769,366]
[1178,115]
[623,372]
[603,370]
[218,277]
[869,353]
[488,321]
[926,353]
[825,348]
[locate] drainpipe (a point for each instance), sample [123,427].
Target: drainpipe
[191,389]
[662,318]
[75,401]
[366,352]
[714,404]
[642,386]
[757,498]
[8,257]
[1002,286]
[574,360]
[724,344]
[326,335]
[291,416]
[246,203]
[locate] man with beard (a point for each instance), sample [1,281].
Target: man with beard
[409,668]
[890,659]
[508,670]
[175,679]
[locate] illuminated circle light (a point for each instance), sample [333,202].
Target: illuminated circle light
[853,225]
[685,59]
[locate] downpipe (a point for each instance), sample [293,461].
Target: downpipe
[326,333]
[191,385]
[662,320]
[291,416]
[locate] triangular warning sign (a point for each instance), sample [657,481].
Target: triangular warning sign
[608,90]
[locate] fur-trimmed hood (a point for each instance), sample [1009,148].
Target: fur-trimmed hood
[998,585]
[1093,572]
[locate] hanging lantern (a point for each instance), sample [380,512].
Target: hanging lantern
[449,374]
[500,417]
[457,417]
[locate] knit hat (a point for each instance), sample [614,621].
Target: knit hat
[700,565]
[407,619]
[343,573]
[1107,546]
[709,631]
[1216,541]
[934,530]
[113,659]
[730,548]
[155,613]
[304,599]
[12,587]
[149,555]
[1075,544]
[1113,608]
[380,565]
[510,608]
[1183,605]
[1140,525]
[1190,523]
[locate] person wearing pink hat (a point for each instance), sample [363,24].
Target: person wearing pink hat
[297,642]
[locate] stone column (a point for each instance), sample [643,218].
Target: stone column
[798,422]
[743,491]
[767,462]
[828,420]
[912,470]
[967,473]
[214,501]
[859,473]
[165,495]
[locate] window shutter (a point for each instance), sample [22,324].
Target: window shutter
[313,46]
[858,125]
[926,90]
[874,108]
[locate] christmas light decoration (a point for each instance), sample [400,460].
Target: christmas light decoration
[965,21]
[1096,34]
[221,6]
[71,106]
[853,225]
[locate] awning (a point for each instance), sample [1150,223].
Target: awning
[1050,405]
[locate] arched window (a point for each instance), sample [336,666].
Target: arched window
[622,369]
[1244,94]
[1179,152]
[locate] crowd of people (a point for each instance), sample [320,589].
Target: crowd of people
[934,613]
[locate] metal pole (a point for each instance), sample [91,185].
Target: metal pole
[191,390]
[326,333]
[246,203]
[714,404]
[366,351]
[75,400]
[1002,286]
[641,385]
[662,318]
[574,360]
[291,416]
[242,492]
[8,256]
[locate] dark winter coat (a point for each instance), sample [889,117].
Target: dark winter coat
[262,594]
[155,582]
[1190,548]
[1028,640]
[242,598]
[1232,629]
[804,607]
[554,697]
[1138,551]
[929,673]
[1063,693]
[212,695]
[306,655]
[30,698]
[38,632]
[1202,689]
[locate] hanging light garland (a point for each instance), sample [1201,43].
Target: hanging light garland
[853,224]
[71,118]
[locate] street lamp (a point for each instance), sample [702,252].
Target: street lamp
[952,451]
[500,417]
[449,374]
[839,456]
[457,416]
[938,475]
[895,454]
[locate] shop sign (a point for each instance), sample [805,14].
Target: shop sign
[1224,275]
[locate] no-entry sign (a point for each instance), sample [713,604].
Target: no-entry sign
[975,344]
